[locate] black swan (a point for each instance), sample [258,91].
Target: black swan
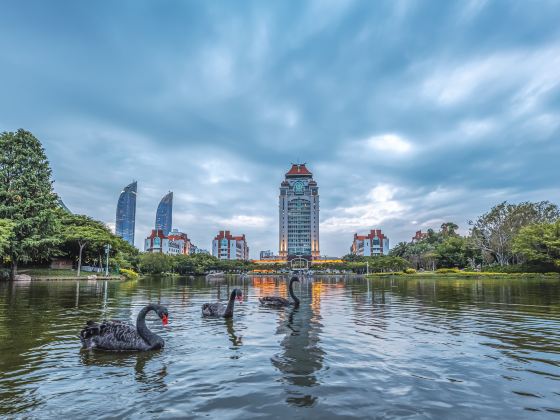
[278,301]
[121,336]
[218,309]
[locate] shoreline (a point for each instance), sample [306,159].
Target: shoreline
[468,274]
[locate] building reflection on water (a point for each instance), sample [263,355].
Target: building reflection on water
[301,356]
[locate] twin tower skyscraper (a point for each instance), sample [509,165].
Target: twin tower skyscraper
[126,213]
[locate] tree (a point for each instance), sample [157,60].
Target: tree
[83,231]
[539,243]
[85,239]
[155,263]
[399,250]
[6,231]
[26,198]
[452,252]
[352,258]
[449,229]
[493,232]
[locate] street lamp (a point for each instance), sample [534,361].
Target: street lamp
[107,250]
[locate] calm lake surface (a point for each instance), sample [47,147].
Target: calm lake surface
[407,347]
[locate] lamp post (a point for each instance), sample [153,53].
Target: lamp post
[107,250]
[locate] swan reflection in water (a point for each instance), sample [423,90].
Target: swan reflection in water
[236,341]
[301,357]
[144,372]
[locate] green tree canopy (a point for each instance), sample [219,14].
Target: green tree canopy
[539,243]
[493,232]
[352,258]
[27,198]
[452,252]
[86,238]
[6,232]
[155,263]
[80,231]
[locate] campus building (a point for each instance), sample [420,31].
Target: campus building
[299,214]
[266,255]
[164,214]
[225,246]
[419,236]
[183,240]
[175,243]
[126,213]
[373,244]
[158,242]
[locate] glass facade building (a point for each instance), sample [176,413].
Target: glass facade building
[164,214]
[126,213]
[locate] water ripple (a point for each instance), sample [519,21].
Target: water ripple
[409,348]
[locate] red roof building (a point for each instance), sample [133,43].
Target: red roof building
[299,170]
[225,246]
[298,214]
[375,243]
[419,236]
[175,243]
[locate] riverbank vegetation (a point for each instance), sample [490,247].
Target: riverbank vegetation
[510,238]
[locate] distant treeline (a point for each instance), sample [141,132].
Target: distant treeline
[521,237]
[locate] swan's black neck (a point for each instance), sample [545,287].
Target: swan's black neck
[291,291]
[229,309]
[153,340]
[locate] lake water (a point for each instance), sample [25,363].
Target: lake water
[407,347]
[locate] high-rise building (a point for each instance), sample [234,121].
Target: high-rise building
[299,214]
[373,244]
[126,213]
[164,214]
[225,246]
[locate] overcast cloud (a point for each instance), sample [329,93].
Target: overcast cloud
[408,113]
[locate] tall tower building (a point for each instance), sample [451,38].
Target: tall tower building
[126,213]
[164,214]
[299,214]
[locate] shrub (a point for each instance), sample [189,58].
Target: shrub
[129,274]
[4,274]
[410,271]
[448,270]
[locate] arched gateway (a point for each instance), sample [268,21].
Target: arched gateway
[299,264]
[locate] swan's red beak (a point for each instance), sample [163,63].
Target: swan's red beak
[240,299]
[164,319]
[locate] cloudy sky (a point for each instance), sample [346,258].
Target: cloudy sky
[408,113]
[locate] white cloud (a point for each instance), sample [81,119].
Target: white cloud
[525,74]
[389,143]
[241,221]
[476,128]
[376,207]
[220,171]
[111,226]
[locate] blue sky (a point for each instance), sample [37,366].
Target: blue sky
[409,113]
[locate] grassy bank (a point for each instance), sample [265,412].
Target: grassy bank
[463,274]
